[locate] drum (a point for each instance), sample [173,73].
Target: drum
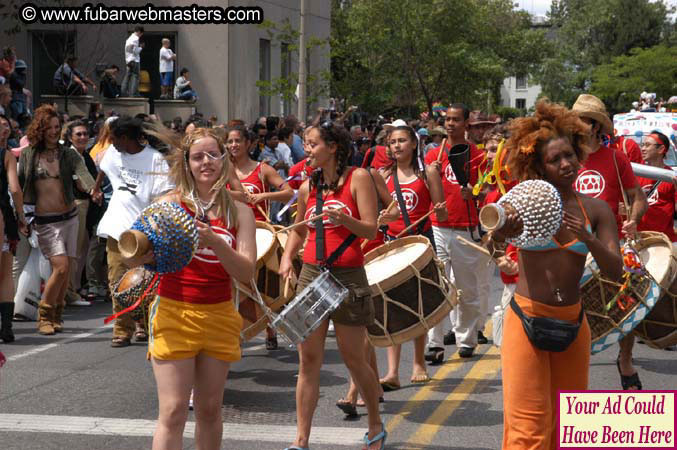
[609,326]
[135,283]
[659,328]
[282,237]
[268,282]
[313,305]
[410,291]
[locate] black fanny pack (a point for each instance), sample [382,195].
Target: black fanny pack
[545,333]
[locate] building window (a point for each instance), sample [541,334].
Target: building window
[264,75]
[285,71]
[521,103]
[521,82]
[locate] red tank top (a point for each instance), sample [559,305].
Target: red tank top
[298,173]
[253,183]
[203,280]
[416,197]
[334,235]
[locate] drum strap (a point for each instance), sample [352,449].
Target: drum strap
[319,236]
[400,199]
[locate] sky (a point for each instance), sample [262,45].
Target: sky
[541,7]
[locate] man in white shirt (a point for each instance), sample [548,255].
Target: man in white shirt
[167,57]
[133,47]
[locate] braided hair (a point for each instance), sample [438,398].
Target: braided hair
[330,133]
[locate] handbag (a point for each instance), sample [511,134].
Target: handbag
[548,334]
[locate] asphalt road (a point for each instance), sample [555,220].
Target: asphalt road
[73,391]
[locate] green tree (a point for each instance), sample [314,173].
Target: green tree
[620,82]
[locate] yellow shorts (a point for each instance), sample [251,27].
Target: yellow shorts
[180,330]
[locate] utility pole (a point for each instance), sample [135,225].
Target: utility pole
[302,65]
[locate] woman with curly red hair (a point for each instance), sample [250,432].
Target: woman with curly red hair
[551,145]
[49,174]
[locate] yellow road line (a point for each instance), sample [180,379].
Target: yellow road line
[484,369]
[453,364]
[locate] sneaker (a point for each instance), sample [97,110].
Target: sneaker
[466,352]
[481,338]
[330,330]
[450,338]
[79,302]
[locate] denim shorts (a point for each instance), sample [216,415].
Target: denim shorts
[167,78]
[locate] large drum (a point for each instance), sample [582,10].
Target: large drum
[136,284]
[609,326]
[659,328]
[410,291]
[268,282]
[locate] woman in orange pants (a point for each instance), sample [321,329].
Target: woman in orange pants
[550,146]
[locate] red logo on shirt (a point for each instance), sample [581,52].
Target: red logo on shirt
[410,198]
[329,204]
[251,188]
[451,176]
[653,198]
[206,254]
[590,182]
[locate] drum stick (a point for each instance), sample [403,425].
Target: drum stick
[263,212]
[390,206]
[312,219]
[439,155]
[413,225]
[479,248]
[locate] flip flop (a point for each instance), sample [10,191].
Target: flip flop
[348,408]
[629,381]
[420,378]
[389,386]
[360,403]
[379,437]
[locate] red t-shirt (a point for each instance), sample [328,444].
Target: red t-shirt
[380,160]
[659,216]
[598,178]
[630,148]
[298,173]
[203,280]
[334,235]
[417,200]
[253,183]
[457,207]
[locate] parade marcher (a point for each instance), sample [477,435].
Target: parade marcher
[660,194]
[49,174]
[332,244]
[551,146]
[137,170]
[194,326]
[629,148]
[465,266]
[10,225]
[257,178]
[416,190]
[607,174]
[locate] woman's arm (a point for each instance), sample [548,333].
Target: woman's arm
[272,179]
[364,194]
[297,236]
[436,192]
[381,187]
[15,190]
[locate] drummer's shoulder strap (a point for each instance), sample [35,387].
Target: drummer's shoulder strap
[400,199]
[319,235]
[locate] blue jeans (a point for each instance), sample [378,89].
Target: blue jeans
[130,83]
[187,95]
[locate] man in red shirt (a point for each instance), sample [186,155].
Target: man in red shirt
[606,174]
[629,147]
[660,194]
[467,267]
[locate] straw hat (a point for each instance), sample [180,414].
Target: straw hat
[593,108]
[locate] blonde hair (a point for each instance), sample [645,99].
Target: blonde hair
[165,40]
[185,183]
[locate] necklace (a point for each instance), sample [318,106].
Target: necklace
[50,155]
[206,206]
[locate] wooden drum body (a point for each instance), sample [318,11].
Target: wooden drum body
[410,291]
[609,326]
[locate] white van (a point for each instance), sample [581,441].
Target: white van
[636,125]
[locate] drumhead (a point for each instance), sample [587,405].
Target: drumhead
[393,261]
[656,259]
[265,238]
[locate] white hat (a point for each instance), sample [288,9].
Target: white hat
[395,124]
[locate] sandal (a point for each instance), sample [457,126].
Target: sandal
[360,403]
[420,378]
[389,386]
[629,381]
[379,437]
[348,408]
[119,341]
[140,336]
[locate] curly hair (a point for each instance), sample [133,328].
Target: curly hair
[530,135]
[36,130]
[330,133]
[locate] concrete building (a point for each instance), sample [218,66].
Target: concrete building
[517,92]
[225,60]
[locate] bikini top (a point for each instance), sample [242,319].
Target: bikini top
[575,245]
[42,174]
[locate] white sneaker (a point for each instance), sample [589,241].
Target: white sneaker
[331,331]
[80,302]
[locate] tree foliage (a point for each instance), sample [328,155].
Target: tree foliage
[589,33]
[404,53]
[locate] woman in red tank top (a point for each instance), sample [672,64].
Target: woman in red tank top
[194,327]
[257,178]
[420,189]
[349,200]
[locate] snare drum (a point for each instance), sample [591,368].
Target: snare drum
[410,291]
[268,282]
[659,328]
[312,306]
[608,327]
[133,284]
